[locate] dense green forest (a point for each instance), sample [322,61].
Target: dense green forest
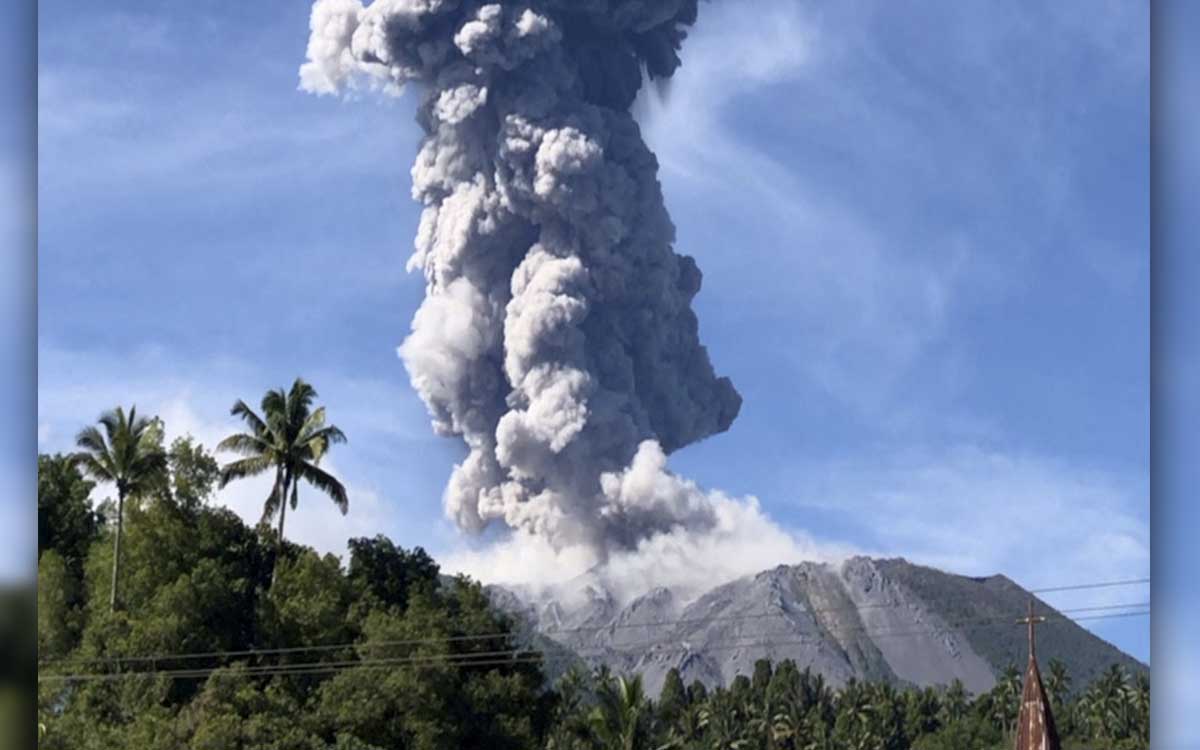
[215,635]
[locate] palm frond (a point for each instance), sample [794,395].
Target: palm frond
[90,439]
[275,499]
[145,466]
[241,409]
[299,405]
[139,426]
[113,422]
[327,483]
[246,445]
[317,444]
[312,422]
[274,403]
[244,467]
[302,394]
[95,467]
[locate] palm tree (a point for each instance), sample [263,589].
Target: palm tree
[955,702]
[1138,695]
[1059,682]
[291,438]
[723,723]
[688,727]
[622,717]
[129,454]
[1008,698]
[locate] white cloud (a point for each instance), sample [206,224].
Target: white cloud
[980,511]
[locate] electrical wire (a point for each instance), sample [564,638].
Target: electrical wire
[522,656]
[508,634]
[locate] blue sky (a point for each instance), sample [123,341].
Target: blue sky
[925,245]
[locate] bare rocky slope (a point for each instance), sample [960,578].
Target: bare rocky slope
[864,618]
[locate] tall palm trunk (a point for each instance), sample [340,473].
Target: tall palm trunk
[289,483]
[116,574]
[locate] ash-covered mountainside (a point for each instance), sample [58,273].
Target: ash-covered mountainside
[863,618]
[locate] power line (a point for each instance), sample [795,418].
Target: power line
[522,656]
[548,632]
[311,668]
[967,624]
[1077,587]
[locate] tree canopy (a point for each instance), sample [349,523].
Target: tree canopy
[382,651]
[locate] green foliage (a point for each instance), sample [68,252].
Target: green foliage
[289,438]
[194,473]
[209,653]
[308,603]
[127,453]
[66,522]
[432,698]
[963,734]
[196,585]
[796,710]
[59,618]
[623,718]
[385,575]
[673,698]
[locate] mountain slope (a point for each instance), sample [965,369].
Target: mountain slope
[864,618]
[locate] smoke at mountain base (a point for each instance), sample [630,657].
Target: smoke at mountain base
[556,337]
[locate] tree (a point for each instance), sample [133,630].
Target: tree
[1007,698]
[622,718]
[1107,708]
[672,699]
[128,453]
[923,709]
[388,574]
[955,702]
[66,521]
[291,438]
[57,613]
[194,473]
[1138,695]
[762,676]
[440,690]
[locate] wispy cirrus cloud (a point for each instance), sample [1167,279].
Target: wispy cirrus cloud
[979,510]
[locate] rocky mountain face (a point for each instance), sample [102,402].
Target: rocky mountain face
[864,618]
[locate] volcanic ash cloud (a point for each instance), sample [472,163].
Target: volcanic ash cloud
[556,337]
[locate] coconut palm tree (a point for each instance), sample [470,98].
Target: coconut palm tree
[127,453]
[724,726]
[955,702]
[1138,695]
[1058,683]
[291,438]
[688,727]
[622,717]
[1007,692]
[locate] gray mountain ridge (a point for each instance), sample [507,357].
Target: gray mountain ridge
[865,618]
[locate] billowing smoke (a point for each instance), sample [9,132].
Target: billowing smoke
[556,337]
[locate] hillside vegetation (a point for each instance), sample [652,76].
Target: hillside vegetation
[225,636]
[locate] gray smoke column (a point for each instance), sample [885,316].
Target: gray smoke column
[556,337]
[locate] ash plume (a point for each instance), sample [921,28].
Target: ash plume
[556,337]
